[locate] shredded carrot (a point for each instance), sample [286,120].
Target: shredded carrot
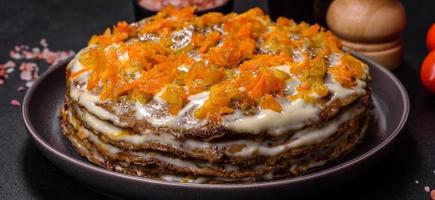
[284,21]
[265,83]
[237,58]
[201,76]
[311,30]
[175,97]
[265,61]
[210,19]
[78,73]
[269,102]
[333,43]
[211,39]
[218,103]
[348,70]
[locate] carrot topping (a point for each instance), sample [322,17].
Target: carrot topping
[312,30]
[211,39]
[175,97]
[236,57]
[78,73]
[265,61]
[348,70]
[201,76]
[265,83]
[219,101]
[269,102]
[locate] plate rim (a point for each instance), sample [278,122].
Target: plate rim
[256,185]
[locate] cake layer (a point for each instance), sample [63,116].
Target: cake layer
[235,149]
[153,163]
[281,155]
[215,98]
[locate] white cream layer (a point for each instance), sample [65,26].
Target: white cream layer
[303,137]
[295,115]
[113,152]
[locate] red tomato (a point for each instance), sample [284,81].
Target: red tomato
[427,72]
[430,38]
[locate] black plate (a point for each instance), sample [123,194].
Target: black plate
[41,116]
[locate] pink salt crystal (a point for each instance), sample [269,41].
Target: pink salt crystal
[10,70]
[29,84]
[15,55]
[9,64]
[2,72]
[48,56]
[29,71]
[26,75]
[43,42]
[15,103]
[21,47]
[20,88]
[36,50]
[63,55]
[29,54]
[6,69]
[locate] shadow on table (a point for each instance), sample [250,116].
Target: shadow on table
[45,181]
[398,168]
[383,178]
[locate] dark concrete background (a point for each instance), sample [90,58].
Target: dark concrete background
[26,174]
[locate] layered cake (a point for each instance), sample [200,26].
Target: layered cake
[215,98]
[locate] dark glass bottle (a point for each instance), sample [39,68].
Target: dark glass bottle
[146,8]
[311,11]
[297,10]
